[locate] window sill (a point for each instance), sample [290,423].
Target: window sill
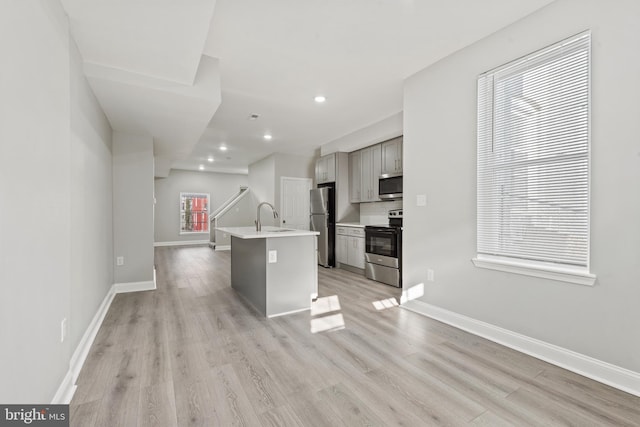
[579,277]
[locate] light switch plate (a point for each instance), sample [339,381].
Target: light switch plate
[421,200]
[273,257]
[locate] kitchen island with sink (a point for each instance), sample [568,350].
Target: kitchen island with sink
[275,269]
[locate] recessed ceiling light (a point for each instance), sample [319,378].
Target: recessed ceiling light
[319,99]
[210,159]
[267,136]
[201,167]
[223,148]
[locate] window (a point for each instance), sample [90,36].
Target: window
[533,164]
[194,213]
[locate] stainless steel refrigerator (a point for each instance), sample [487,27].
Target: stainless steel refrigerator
[323,220]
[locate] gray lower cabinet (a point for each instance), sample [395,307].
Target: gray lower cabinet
[350,246]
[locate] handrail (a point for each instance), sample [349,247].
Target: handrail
[223,208]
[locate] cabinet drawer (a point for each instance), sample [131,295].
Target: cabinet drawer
[342,230]
[356,231]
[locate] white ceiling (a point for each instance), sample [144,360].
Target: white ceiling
[190,73]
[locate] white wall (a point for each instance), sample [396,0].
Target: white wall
[219,186]
[133,207]
[440,161]
[54,151]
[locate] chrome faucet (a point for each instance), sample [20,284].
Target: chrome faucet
[257,221]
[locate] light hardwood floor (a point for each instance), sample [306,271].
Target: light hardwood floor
[194,353]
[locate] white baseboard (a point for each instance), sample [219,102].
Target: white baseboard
[182,243]
[121,288]
[65,392]
[606,373]
[67,388]
[223,248]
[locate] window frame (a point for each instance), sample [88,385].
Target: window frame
[524,266]
[181,211]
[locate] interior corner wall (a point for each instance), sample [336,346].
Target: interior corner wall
[262,184]
[440,162]
[133,207]
[219,186]
[91,203]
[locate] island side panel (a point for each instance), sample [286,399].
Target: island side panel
[249,270]
[292,280]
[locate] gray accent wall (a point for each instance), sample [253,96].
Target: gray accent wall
[133,207]
[219,186]
[55,201]
[440,162]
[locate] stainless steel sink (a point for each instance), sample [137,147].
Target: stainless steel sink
[282,230]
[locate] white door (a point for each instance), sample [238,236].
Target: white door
[294,202]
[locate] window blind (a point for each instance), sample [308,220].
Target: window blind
[533,157]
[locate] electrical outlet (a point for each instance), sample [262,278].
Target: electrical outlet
[273,257]
[63,330]
[430,275]
[120,260]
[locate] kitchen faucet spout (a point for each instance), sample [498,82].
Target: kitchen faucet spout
[257,221]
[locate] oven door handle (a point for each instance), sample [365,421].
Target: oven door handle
[390,232]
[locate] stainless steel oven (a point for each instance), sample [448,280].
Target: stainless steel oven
[383,251]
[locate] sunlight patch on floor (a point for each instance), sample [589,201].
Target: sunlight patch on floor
[414,292]
[325,305]
[330,323]
[385,303]
[321,321]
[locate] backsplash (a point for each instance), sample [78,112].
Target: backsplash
[376,212]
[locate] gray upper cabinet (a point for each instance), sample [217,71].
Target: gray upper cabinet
[355,177]
[371,166]
[326,169]
[392,156]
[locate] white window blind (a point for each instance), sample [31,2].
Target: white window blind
[533,157]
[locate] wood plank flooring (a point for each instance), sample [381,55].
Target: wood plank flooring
[193,353]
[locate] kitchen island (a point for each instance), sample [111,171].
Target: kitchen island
[275,269]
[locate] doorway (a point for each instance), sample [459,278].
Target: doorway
[294,202]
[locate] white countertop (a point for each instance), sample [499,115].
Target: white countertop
[266,232]
[349,224]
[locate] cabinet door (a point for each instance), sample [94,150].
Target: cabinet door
[355,177]
[358,260]
[366,175]
[371,167]
[321,170]
[399,156]
[376,170]
[342,249]
[392,156]
[356,252]
[330,167]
